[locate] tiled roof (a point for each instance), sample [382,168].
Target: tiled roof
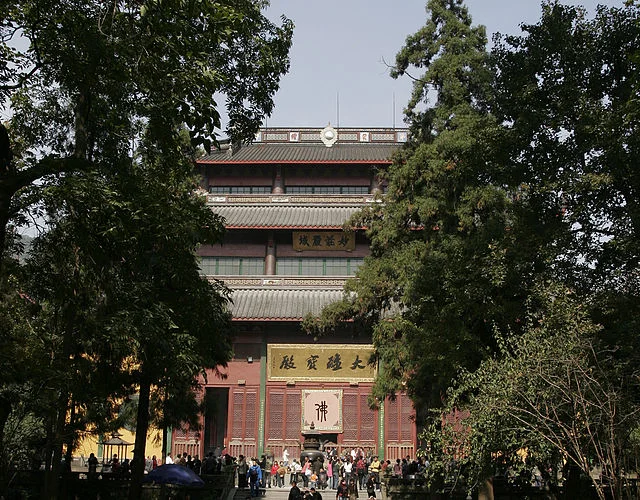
[283,153]
[280,304]
[285,217]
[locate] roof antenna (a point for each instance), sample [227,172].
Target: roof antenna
[393,100]
[338,109]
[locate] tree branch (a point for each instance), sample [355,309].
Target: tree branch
[21,79]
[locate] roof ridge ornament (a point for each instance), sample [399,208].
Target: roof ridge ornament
[234,147]
[329,135]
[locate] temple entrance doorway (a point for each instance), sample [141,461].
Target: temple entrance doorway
[215,419]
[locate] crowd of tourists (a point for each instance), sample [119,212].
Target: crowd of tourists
[345,474]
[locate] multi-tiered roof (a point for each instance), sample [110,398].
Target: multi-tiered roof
[311,152]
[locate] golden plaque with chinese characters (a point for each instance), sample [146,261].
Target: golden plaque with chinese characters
[323,240]
[327,362]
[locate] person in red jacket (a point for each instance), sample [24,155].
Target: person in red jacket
[361,471]
[274,473]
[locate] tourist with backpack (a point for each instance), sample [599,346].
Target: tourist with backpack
[254,475]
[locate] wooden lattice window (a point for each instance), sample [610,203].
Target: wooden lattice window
[238,415]
[399,419]
[393,423]
[350,421]
[284,414]
[294,416]
[245,414]
[406,418]
[276,410]
[368,421]
[251,415]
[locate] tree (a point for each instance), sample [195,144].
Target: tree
[438,243]
[93,74]
[133,313]
[519,171]
[24,356]
[552,394]
[565,92]
[100,98]
[569,89]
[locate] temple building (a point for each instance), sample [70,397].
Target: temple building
[285,198]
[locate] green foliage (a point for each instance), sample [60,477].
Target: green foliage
[153,60]
[94,77]
[551,394]
[565,91]
[111,300]
[24,434]
[452,52]
[520,171]
[133,238]
[120,298]
[440,275]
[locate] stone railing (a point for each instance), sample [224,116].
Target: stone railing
[291,199]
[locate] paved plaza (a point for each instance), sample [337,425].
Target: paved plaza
[283,494]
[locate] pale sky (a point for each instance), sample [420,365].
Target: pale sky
[337,71]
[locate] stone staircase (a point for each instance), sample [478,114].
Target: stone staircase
[283,494]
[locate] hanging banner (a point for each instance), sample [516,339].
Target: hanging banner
[323,409]
[323,240]
[328,362]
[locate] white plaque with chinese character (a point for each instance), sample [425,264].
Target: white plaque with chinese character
[323,408]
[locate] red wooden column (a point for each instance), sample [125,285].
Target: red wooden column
[270,258]
[278,185]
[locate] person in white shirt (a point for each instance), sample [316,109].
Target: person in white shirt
[296,469]
[348,468]
[168,459]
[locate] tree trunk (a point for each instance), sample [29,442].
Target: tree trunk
[81,128]
[5,411]
[142,426]
[5,205]
[6,157]
[48,446]
[486,490]
[52,475]
[165,438]
[69,438]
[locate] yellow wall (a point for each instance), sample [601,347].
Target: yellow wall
[90,445]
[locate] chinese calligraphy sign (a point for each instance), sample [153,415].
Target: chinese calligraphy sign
[327,362]
[323,408]
[323,240]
